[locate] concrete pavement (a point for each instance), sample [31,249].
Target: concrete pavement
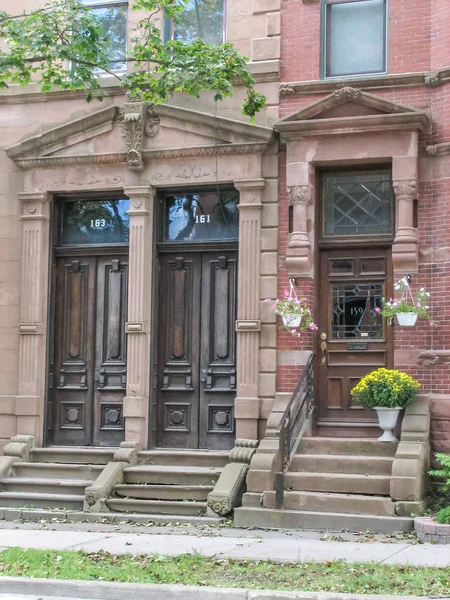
[231,543]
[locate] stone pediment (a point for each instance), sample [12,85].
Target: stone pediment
[350,110]
[136,132]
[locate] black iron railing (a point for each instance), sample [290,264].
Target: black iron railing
[293,424]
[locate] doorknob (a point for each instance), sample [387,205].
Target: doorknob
[323,348]
[203,379]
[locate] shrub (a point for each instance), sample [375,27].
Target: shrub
[443,516]
[444,471]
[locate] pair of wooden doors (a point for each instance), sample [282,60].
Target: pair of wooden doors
[88,356]
[353,338]
[196,374]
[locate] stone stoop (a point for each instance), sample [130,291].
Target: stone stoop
[168,482]
[53,478]
[332,484]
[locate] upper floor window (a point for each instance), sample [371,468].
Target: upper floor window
[112,15]
[355,37]
[203,19]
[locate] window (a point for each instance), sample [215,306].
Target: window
[355,37]
[200,19]
[113,17]
[358,203]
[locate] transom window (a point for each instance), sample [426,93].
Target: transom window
[358,204]
[355,37]
[203,19]
[112,15]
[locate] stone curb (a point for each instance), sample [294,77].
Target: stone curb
[118,591]
[16,514]
[428,530]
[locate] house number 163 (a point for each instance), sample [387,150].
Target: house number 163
[98,222]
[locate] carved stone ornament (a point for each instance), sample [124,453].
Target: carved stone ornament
[220,505]
[286,89]
[243,451]
[137,118]
[300,194]
[91,496]
[434,357]
[433,78]
[405,189]
[431,150]
[346,93]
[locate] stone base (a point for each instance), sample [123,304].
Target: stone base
[429,531]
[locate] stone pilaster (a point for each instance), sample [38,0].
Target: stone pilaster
[405,248]
[298,253]
[248,324]
[136,402]
[29,407]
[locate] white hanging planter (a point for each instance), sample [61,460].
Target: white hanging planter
[387,419]
[291,321]
[407,319]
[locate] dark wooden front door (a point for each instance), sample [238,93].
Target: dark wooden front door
[353,337]
[196,377]
[88,373]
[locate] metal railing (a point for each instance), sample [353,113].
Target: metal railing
[293,424]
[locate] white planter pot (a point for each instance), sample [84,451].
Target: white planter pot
[406,319]
[387,419]
[292,321]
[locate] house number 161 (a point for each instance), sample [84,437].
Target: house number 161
[203,218]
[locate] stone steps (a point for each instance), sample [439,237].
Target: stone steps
[170,475]
[41,500]
[163,492]
[74,455]
[176,458]
[344,483]
[57,471]
[346,446]
[319,521]
[170,507]
[31,485]
[356,465]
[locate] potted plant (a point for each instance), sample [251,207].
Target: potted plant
[388,392]
[406,307]
[294,311]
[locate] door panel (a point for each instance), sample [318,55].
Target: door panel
[354,338]
[90,350]
[197,350]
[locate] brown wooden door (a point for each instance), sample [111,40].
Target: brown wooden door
[89,370]
[353,337]
[196,377]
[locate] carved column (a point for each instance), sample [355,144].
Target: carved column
[33,315]
[136,402]
[248,321]
[405,247]
[299,246]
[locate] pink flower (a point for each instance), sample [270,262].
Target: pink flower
[313,326]
[431,323]
[419,305]
[274,306]
[377,309]
[299,334]
[297,301]
[286,293]
[267,300]
[293,330]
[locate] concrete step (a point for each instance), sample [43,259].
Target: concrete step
[357,465]
[342,483]
[32,485]
[319,521]
[335,503]
[163,492]
[57,471]
[190,458]
[73,501]
[353,446]
[172,475]
[156,507]
[73,454]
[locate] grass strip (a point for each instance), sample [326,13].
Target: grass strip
[193,569]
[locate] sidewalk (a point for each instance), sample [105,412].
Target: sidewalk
[289,546]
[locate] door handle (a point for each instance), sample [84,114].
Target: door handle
[323,348]
[203,380]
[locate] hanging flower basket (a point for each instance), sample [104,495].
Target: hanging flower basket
[294,311]
[406,307]
[406,319]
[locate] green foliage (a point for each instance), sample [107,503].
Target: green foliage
[444,472]
[67,45]
[406,302]
[386,388]
[443,516]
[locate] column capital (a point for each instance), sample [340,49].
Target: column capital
[300,194]
[250,185]
[34,206]
[405,189]
[140,196]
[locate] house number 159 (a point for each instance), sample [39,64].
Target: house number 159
[203,218]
